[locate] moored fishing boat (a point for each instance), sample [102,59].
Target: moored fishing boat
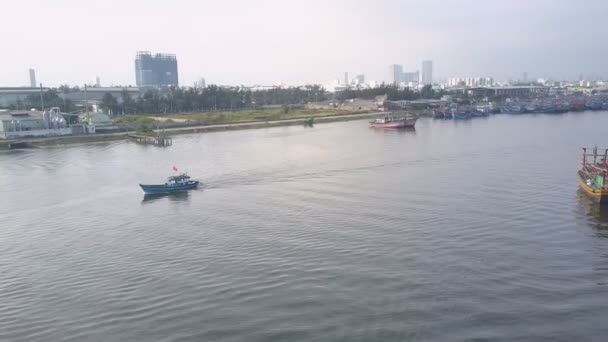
[513,109]
[576,105]
[459,114]
[592,175]
[395,121]
[594,105]
[439,114]
[180,182]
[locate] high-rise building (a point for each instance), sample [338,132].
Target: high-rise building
[360,79]
[159,70]
[396,73]
[346,78]
[97,82]
[427,72]
[33,78]
[412,76]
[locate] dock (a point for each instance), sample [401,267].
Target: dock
[159,140]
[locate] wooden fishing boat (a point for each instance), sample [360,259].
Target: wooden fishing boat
[394,121]
[592,175]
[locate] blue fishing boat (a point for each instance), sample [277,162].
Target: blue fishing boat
[459,114]
[174,183]
[594,105]
[513,109]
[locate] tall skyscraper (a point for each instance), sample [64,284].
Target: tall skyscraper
[33,78]
[159,70]
[346,78]
[396,73]
[427,72]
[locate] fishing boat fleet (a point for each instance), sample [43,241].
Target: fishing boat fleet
[555,105]
[459,112]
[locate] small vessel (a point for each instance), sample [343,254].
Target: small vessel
[180,182]
[594,105]
[513,109]
[531,108]
[439,114]
[482,110]
[592,175]
[394,122]
[576,105]
[459,114]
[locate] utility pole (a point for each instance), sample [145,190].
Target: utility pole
[86,104]
[41,99]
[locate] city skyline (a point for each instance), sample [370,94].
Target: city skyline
[267,42]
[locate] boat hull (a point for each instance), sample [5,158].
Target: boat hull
[394,125]
[600,196]
[460,116]
[166,189]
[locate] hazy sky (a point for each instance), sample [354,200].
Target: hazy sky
[312,41]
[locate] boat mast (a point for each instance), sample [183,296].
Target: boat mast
[584,156]
[595,155]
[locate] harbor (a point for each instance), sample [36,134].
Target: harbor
[453,211]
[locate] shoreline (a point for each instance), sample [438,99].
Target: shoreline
[95,138]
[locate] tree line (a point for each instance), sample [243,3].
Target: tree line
[210,98]
[50,98]
[214,98]
[392,92]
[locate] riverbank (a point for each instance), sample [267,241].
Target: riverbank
[190,129]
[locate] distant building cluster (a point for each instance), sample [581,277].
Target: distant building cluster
[155,71]
[470,81]
[412,78]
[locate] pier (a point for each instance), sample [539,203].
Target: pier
[159,140]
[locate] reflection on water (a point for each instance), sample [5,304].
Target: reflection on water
[405,130]
[596,213]
[180,196]
[464,230]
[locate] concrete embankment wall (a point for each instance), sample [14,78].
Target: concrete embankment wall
[38,142]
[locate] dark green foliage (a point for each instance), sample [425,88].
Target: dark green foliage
[392,92]
[109,103]
[51,99]
[214,98]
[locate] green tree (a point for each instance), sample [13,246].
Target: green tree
[426,92]
[108,103]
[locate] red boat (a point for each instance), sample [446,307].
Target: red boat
[394,122]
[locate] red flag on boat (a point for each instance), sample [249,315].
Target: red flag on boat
[174,169]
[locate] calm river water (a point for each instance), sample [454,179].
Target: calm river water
[458,231]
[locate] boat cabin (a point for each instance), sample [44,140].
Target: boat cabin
[178,180]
